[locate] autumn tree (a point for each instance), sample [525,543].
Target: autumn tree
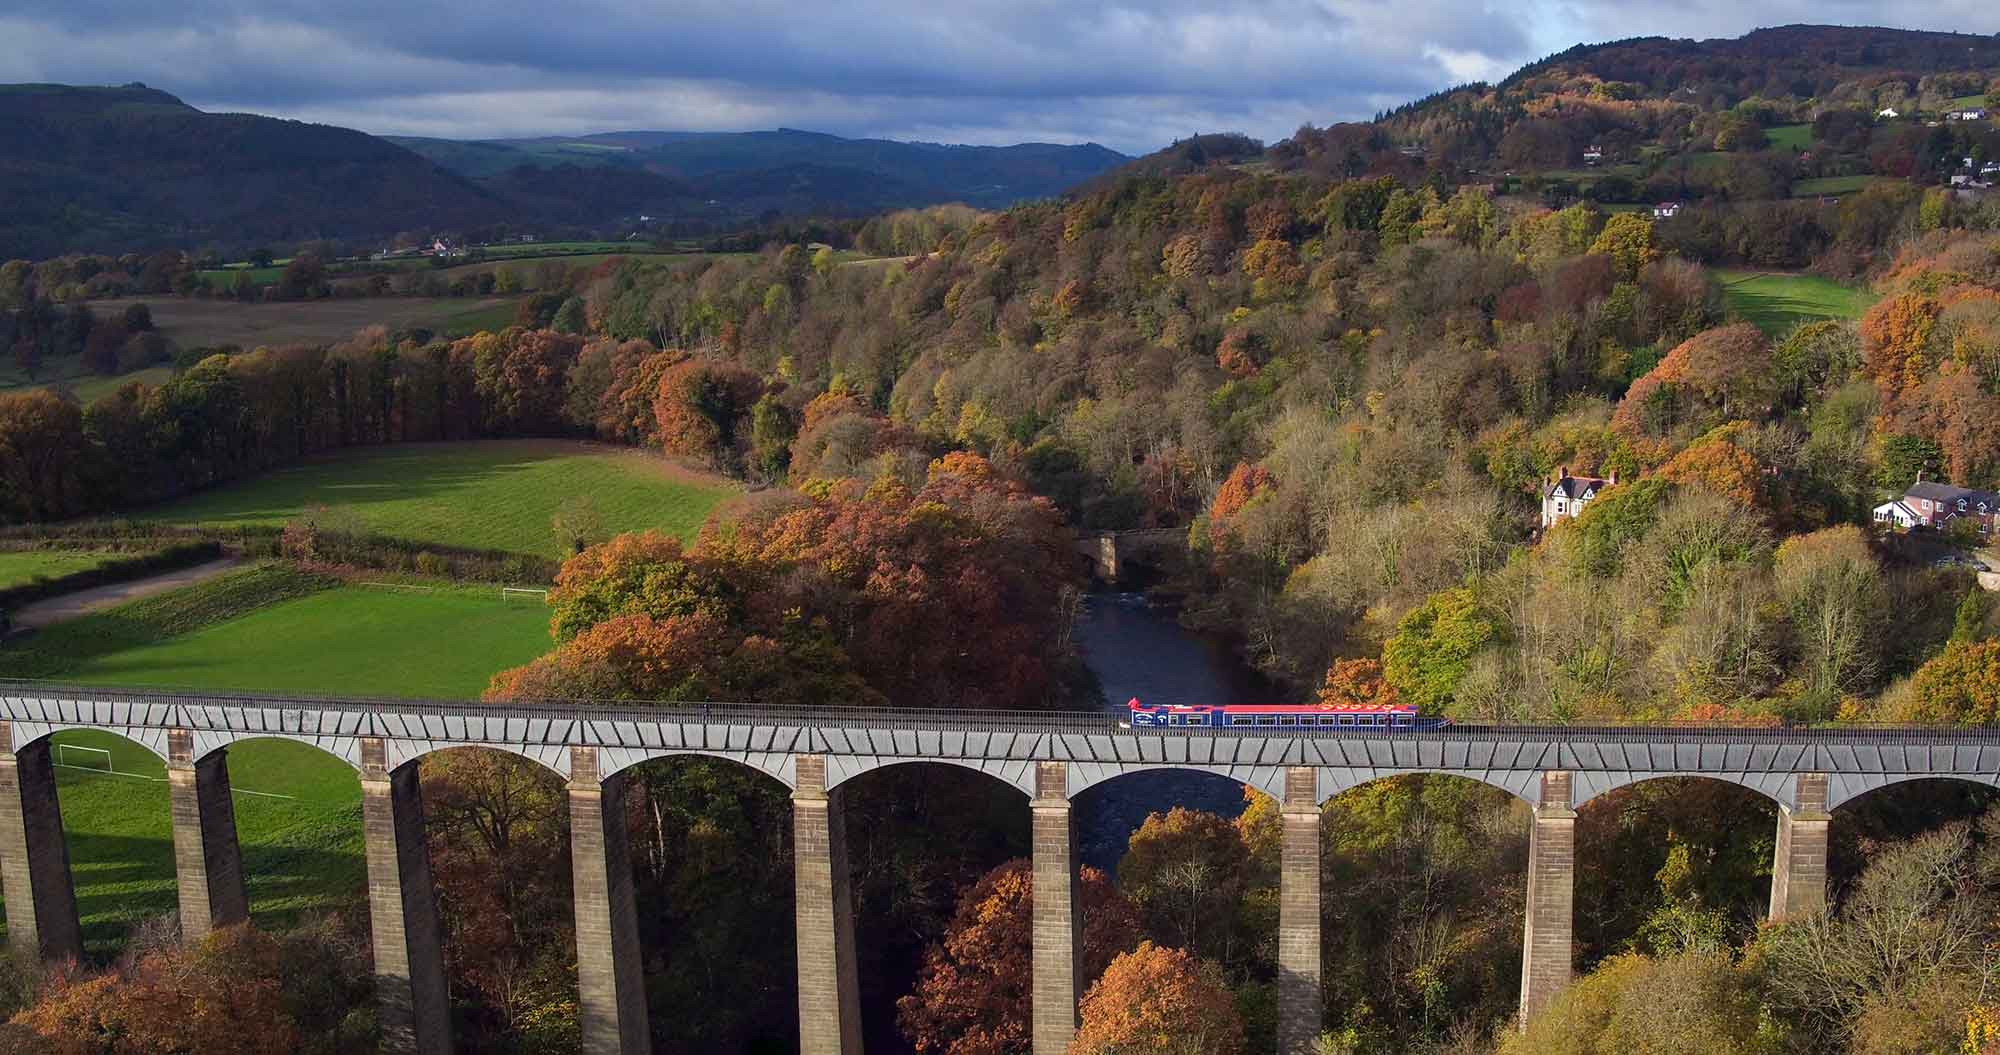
[1896,350]
[974,994]
[1158,1000]
[1189,872]
[221,997]
[1958,686]
[1627,238]
[1356,683]
[1433,646]
[41,454]
[1694,1003]
[1832,587]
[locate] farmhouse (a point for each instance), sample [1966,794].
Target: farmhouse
[1937,505]
[1897,513]
[1888,112]
[1565,498]
[1666,210]
[1971,114]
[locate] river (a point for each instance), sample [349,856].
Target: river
[1139,649]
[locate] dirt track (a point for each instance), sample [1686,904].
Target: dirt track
[83,602]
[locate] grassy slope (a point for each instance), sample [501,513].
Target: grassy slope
[25,565]
[355,639]
[299,853]
[494,495]
[1776,303]
[1790,137]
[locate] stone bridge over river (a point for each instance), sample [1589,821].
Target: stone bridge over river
[1049,758]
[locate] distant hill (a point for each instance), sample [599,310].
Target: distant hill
[793,171]
[1681,96]
[116,169]
[108,169]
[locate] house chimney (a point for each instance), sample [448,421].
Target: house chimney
[1561,472]
[1612,480]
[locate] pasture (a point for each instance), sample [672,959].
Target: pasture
[497,494]
[1789,137]
[207,323]
[1777,302]
[298,822]
[435,641]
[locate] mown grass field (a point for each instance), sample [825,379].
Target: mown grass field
[487,318]
[1776,302]
[490,495]
[300,838]
[274,628]
[26,565]
[369,641]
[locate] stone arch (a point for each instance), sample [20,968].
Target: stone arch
[551,757]
[346,749]
[1521,784]
[1779,787]
[152,738]
[1086,775]
[1018,774]
[779,766]
[1843,788]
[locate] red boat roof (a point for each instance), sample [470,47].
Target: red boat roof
[1243,708]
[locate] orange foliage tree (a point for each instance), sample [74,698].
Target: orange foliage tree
[1896,348]
[1356,683]
[1709,378]
[221,997]
[1959,686]
[1162,1001]
[974,995]
[946,594]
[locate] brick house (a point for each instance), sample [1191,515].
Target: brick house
[1565,498]
[1937,505]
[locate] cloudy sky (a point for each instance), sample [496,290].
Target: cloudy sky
[1132,75]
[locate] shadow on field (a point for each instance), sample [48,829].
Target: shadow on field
[121,882]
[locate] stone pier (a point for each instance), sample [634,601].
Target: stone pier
[1546,953]
[1058,923]
[1798,872]
[34,859]
[1299,1001]
[829,989]
[611,992]
[207,863]
[415,1006]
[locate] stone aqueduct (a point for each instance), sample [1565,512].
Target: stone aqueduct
[1049,758]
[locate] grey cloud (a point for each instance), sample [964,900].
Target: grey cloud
[1128,73]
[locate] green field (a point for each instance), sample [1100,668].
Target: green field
[492,495]
[1778,302]
[490,319]
[298,821]
[225,278]
[1790,137]
[360,640]
[23,566]
[1831,185]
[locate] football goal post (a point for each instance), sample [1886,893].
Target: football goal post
[96,759]
[511,594]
